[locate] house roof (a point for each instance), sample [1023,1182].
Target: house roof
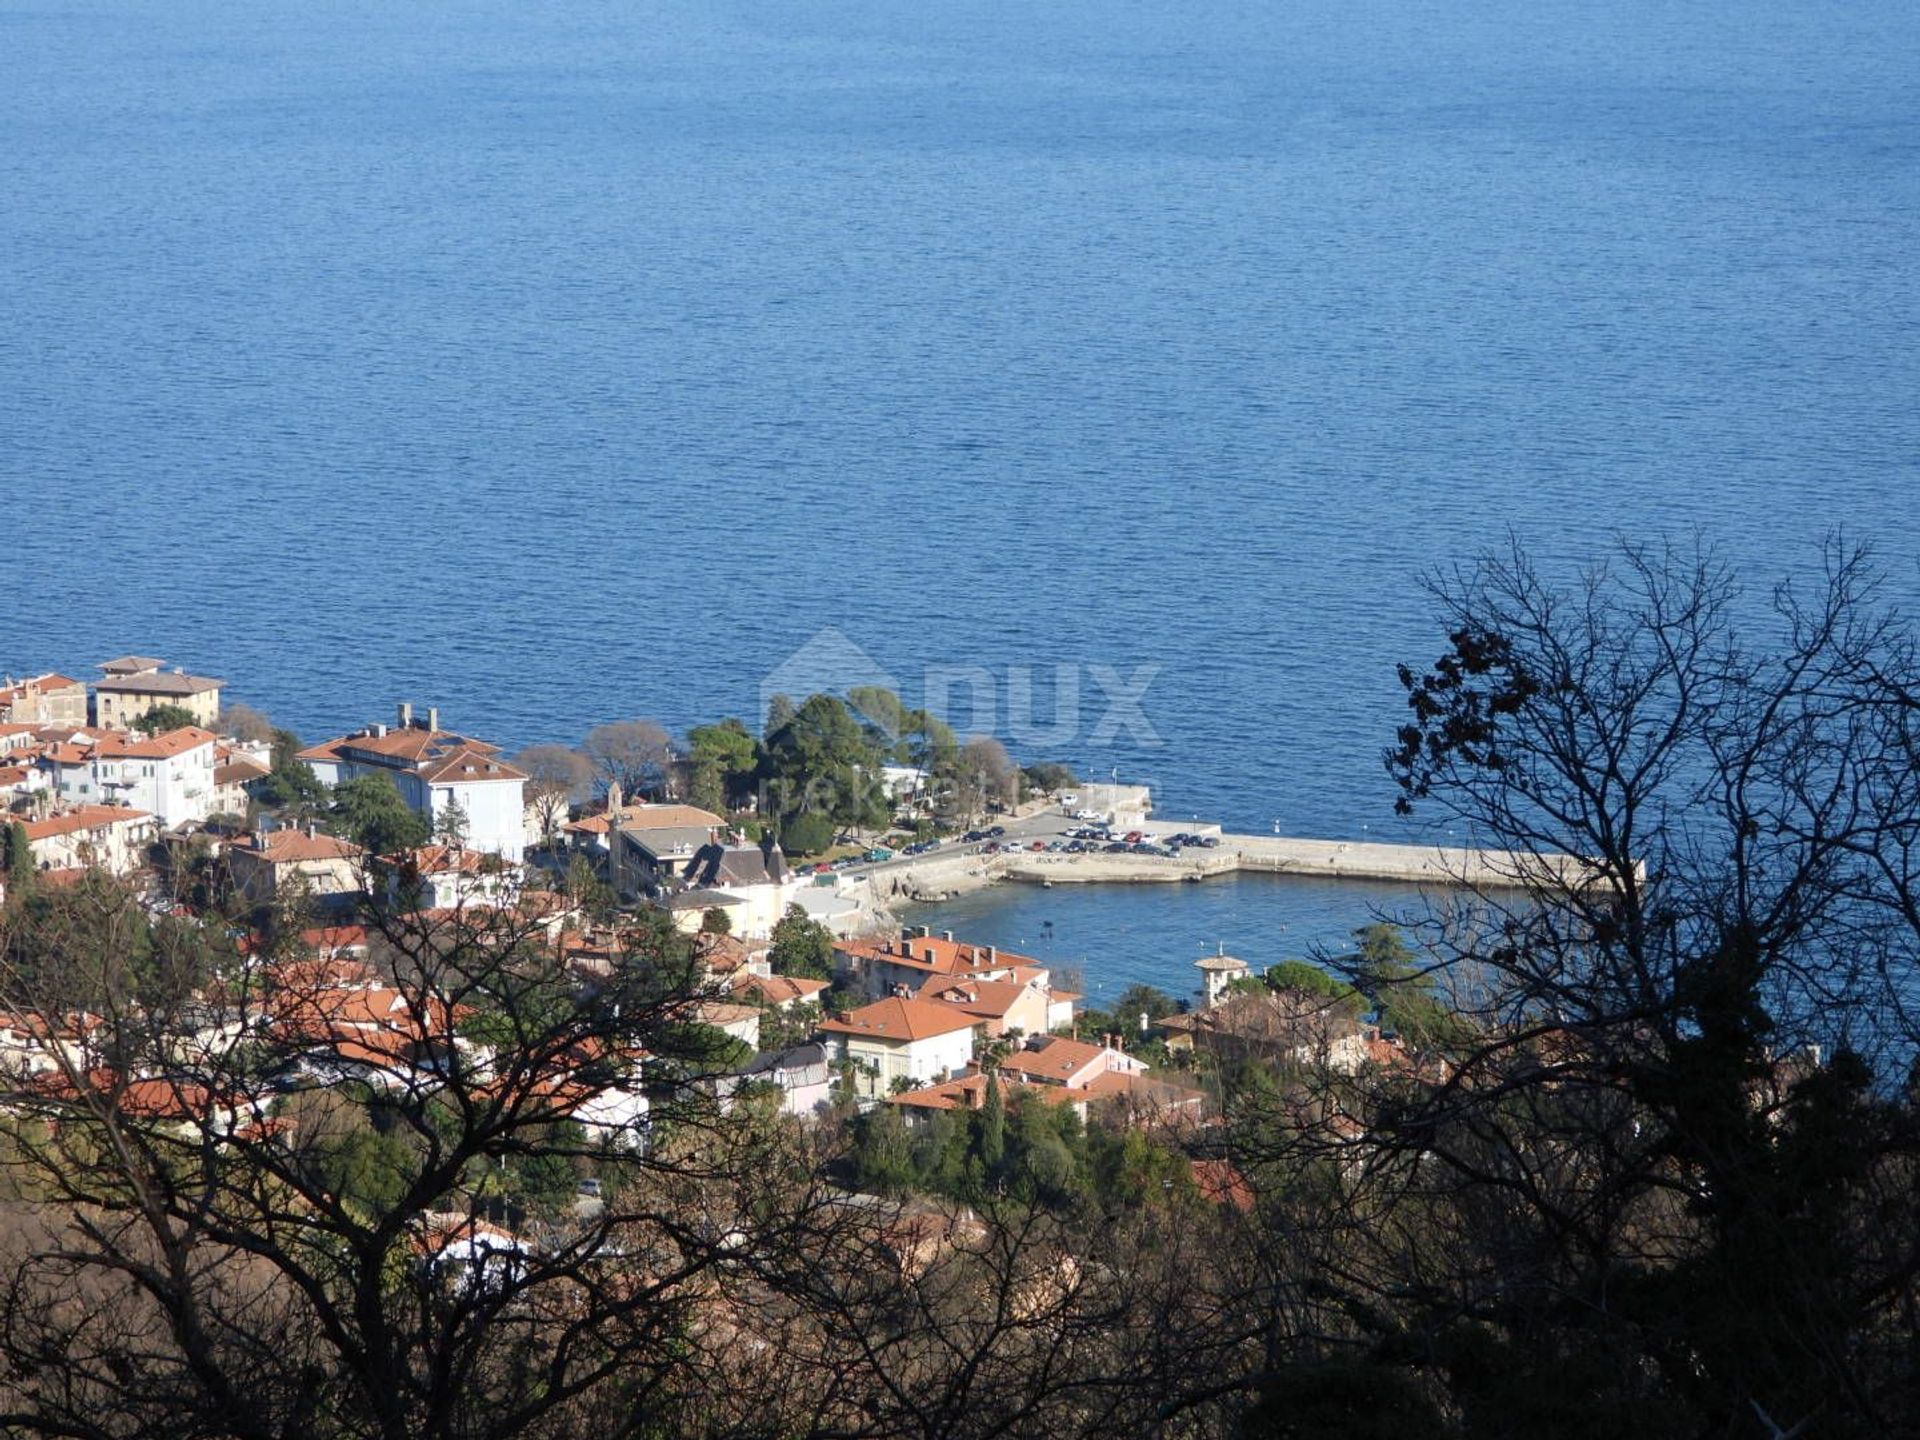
[470,765]
[447,860]
[1142,1091]
[159,747]
[720,1012]
[663,817]
[438,755]
[717,866]
[800,1057]
[703,900]
[1224,1185]
[778,989]
[41,684]
[901,1021]
[130,664]
[1286,1017]
[160,683]
[1054,1058]
[84,817]
[988,999]
[936,955]
[1221,964]
[969,1092]
[291,845]
[239,771]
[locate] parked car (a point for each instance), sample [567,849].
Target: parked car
[996,831]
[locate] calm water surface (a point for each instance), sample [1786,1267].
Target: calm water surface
[555,363]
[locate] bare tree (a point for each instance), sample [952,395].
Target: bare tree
[632,754]
[243,722]
[1654,1175]
[982,775]
[274,1189]
[557,778]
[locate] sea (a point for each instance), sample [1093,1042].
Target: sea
[1110,375]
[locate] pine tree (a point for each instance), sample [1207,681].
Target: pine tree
[993,1128]
[19,852]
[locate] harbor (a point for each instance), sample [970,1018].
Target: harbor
[1047,847]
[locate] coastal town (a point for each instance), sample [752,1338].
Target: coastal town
[819,998]
[393,1032]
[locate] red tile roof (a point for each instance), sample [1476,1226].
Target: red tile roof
[778,989]
[935,956]
[160,747]
[901,1020]
[86,817]
[291,846]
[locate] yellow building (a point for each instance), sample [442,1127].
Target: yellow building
[135,684]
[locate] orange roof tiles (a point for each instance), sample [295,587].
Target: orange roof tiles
[936,955]
[778,989]
[664,817]
[989,999]
[160,747]
[901,1020]
[1059,1060]
[291,846]
[86,817]
[471,764]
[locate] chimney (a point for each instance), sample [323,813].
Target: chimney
[947,935]
[405,709]
[993,955]
[433,717]
[379,732]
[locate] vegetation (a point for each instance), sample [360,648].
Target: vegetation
[17,858]
[634,755]
[163,718]
[557,779]
[801,946]
[370,811]
[1641,1160]
[290,783]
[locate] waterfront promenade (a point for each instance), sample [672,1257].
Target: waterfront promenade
[958,869]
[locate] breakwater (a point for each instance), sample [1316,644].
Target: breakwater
[943,875]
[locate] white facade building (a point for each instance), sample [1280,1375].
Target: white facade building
[436,771]
[170,775]
[897,1039]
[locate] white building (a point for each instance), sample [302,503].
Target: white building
[169,775]
[436,771]
[896,1039]
[110,837]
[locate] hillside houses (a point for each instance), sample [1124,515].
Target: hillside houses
[1006,992]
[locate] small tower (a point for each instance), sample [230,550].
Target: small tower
[1217,971]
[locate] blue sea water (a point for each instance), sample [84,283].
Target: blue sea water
[556,363]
